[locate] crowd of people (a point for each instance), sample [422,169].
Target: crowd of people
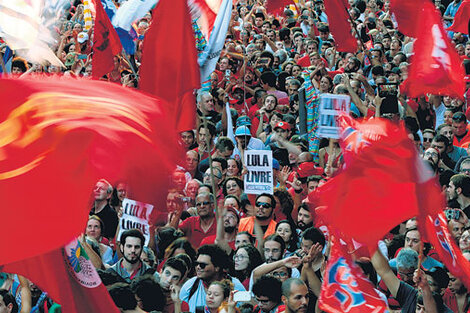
[223,250]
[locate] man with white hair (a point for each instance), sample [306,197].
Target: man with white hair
[101,208]
[206,107]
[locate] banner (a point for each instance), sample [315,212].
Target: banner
[330,107]
[259,178]
[208,58]
[136,215]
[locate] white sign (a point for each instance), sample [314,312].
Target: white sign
[259,178]
[135,215]
[330,107]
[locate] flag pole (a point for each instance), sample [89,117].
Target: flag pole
[204,121]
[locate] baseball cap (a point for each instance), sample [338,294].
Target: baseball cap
[276,164]
[82,37]
[242,131]
[237,87]
[243,121]
[282,125]
[307,169]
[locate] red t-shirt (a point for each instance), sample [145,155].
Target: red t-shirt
[193,231]
[211,240]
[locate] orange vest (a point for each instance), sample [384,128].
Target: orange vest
[248,224]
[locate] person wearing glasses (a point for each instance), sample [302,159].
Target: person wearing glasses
[196,228]
[268,292]
[264,208]
[210,265]
[246,258]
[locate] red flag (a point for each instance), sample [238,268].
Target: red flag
[106,43]
[169,62]
[435,67]
[406,13]
[69,278]
[58,138]
[276,7]
[345,288]
[461,18]
[339,24]
[434,229]
[377,189]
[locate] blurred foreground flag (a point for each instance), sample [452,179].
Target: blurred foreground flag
[57,138]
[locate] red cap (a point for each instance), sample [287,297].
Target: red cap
[307,169]
[234,211]
[283,125]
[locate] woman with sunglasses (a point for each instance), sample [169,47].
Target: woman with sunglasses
[246,258]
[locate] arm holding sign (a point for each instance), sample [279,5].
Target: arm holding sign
[354,97]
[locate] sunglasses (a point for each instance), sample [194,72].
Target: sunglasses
[427,139]
[203,203]
[201,265]
[263,205]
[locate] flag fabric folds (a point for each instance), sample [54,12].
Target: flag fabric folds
[210,55]
[433,227]
[461,18]
[435,66]
[406,13]
[378,187]
[69,278]
[130,11]
[340,26]
[276,7]
[170,71]
[345,288]
[106,43]
[58,138]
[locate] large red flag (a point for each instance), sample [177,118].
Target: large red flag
[338,20]
[433,227]
[461,18]
[406,13]
[345,288]
[378,188]
[58,137]
[169,62]
[277,7]
[435,67]
[68,277]
[106,43]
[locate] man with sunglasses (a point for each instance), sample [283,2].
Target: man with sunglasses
[264,208]
[196,228]
[210,264]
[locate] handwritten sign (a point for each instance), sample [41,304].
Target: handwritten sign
[330,107]
[259,178]
[135,215]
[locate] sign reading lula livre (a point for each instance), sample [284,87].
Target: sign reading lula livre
[259,178]
[135,214]
[330,107]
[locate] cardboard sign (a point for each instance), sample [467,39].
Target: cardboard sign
[135,215]
[260,172]
[330,107]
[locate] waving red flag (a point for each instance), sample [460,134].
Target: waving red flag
[106,43]
[58,138]
[435,68]
[338,19]
[461,18]
[406,13]
[276,7]
[434,229]
[379,187]
[69,278]
[345,288]
[169,62]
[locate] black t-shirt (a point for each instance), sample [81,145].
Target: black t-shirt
[407,297]
[110,220]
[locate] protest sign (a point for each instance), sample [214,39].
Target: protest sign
[259,178]
[135,214]
[330,107]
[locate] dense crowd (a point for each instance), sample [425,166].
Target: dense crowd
[222,250]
